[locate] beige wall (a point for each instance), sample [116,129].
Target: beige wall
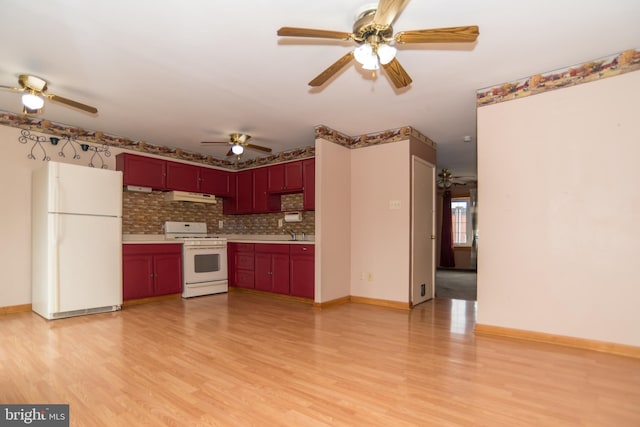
[558,212]
[380,236]
[333,215]
[15,225]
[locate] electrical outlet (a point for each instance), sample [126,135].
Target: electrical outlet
[220,224]
[370,276]
[280,223]
[394,204]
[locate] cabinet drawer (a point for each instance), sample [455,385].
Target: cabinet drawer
[272,248]
[244,279]
[302,249]
[244,261]
[244,247]
[162,248]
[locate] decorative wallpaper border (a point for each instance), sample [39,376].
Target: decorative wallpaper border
[601,68]
[367,140]
[29,123]
[48,127]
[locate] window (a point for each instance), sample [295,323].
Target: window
[461,221]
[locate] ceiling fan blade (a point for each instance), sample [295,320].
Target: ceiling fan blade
[19,89]
[258,147]
[387,11]
[72,103]
[310,32]
[397,74]
[333,69]
[439,35]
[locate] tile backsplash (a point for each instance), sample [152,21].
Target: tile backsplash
[145,213]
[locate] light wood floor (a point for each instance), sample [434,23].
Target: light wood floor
[242,359]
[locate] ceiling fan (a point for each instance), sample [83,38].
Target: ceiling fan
[238,142]
[35,90]
[446,179]
[373,33]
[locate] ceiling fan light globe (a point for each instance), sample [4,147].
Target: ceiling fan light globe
[363,53]
[32,101]
[372,64]
[237,149]
[386,53]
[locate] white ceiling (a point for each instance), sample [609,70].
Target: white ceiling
[177,72]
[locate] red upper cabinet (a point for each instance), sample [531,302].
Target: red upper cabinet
[286,177]
[142,171]
[244,192]
[263,201]
[216,182]
[183,177]
[309,179]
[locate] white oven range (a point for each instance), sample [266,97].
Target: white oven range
[204,258]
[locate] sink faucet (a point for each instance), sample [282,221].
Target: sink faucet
[291,233]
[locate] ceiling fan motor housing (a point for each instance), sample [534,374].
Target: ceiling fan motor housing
[364,28]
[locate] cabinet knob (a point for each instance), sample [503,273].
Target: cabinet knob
[304,249]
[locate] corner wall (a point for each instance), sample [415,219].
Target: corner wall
[333,213]
[380,235]
[559,211]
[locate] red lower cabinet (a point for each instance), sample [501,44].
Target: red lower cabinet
[301,271]
[240,258]
[272,268]
[151,270]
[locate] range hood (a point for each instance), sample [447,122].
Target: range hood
[186,196]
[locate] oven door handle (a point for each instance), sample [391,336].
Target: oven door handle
[204,248]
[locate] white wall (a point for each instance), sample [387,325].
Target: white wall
[559,212]
[15,225]
[380,237]
[333,213]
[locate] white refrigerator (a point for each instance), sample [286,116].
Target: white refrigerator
[76,240]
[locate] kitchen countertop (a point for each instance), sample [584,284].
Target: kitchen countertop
[240,238]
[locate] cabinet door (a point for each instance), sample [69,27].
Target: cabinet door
[263,201]
[276,178]
[168,273]
[309,187]
[301,276]
[293,176]
[137,276]
[285,177]
[142,171]
[244,192]
[280,273]
[183,177]
[263,273]
[216,182]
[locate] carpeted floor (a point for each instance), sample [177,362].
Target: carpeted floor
[456,284]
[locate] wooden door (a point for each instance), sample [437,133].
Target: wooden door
[422,231]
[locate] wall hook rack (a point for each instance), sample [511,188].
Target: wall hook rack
[70,144]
